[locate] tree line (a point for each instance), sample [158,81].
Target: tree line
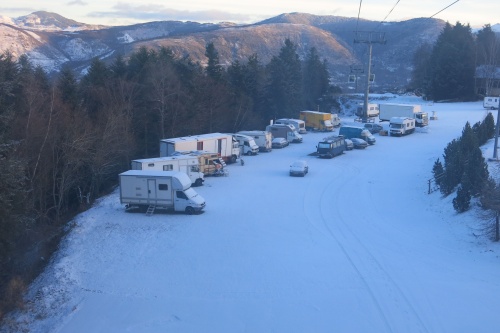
[64,140]
[447,70]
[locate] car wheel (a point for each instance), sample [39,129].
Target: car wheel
[198,182]
[189,210]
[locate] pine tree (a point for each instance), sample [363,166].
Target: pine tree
[214,69]
[461,202]
[438,172]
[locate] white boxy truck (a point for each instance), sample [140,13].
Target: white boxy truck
[190,165]
[284,131]
[153,189]
[400,126]
[263,139]
[387,111]
[223,144]
[247,144]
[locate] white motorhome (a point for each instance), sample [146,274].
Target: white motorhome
[262,138]
[247,143]
[284,131]
[387,111]
[151,189]
[300,125]
[185,163]
[400,126]
[491,103]
[223,144]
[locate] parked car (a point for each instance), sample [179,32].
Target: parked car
[299,168]
[348,144]
[359,143]
[373,128]
[279,143]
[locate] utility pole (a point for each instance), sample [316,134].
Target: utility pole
[370,38]
[497,128]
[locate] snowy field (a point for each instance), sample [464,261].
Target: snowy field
[357,245]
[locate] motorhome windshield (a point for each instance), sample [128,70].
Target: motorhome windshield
[190,193]
[396,125]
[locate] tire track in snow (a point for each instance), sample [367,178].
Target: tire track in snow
[360,257]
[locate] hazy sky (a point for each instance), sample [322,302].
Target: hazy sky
[111,12]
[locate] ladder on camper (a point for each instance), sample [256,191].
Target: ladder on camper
[151,210]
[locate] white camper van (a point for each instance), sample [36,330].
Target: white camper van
[185,163]
[300,125]
[400,126]
[284,131]
[247,143]
[153,189]
[491,103]
[263,139]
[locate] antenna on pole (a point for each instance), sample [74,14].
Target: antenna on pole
[369,38]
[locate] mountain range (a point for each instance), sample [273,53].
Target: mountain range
[51,41]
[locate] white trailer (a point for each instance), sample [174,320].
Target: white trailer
[400,126]
[263,139]
[387,111]
[284,131]
[190,165]
[247,144]
[491,103]
[223,144]
[300,125]
[151,189]
[372,110]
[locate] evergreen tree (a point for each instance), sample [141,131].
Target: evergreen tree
[284,89]
[453,167]
[315,79]
[461,202]
[67,85]
[438,172]
[214,69]
[452,65]
[421,73]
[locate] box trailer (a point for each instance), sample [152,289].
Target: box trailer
[284,131]
[190,165]
[263,139]
[387,111]
[223,144]
[317,121]
[151,189]
[372,110]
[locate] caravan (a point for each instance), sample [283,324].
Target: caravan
[491,103]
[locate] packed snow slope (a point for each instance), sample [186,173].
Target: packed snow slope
[357,245]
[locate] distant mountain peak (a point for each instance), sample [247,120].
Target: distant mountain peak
[42,20]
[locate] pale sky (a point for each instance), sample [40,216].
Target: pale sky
[110,12]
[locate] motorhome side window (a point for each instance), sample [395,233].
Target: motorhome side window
[181,195]
[168,167]
[163,187]
[151,165]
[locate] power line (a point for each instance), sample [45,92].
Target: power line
[444,8]
[389,12]
[359,11]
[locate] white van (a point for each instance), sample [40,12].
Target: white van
[263,139]
[247,143]
[491,103]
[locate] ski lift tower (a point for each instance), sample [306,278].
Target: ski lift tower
[369,38]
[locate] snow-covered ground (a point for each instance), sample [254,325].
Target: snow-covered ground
[357,245]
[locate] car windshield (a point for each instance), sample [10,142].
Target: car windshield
[396,125]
